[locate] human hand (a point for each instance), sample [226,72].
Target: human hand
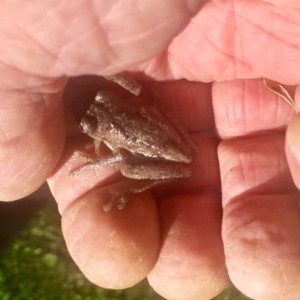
[119,248]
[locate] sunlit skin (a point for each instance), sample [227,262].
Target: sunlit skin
[238,215]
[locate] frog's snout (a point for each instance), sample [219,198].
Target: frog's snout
[88,124]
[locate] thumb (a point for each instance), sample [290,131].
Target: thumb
[88,37]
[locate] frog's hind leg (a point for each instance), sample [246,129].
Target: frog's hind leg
[150,173]
[155,169]
[122,198]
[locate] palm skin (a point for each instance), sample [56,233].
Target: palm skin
[238,215]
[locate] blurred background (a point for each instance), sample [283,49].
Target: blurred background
[35,264]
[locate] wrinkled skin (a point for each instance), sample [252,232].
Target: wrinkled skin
[238,215]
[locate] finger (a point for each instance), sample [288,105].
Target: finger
[292,149]
[191,263]
[247,107]
[260,221]
[99,37]
[259,197]
[31,137]
[228,40]
[293,144]
[115,249]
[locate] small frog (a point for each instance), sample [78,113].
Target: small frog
[144,138]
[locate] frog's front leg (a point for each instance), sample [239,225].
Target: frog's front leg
[99,161]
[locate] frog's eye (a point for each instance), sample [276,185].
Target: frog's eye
[88,124]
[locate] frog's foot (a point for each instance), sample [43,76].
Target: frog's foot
[98,162]
[126,82]
[88,156]
[122,198]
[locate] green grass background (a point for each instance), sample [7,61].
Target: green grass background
[35,265]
